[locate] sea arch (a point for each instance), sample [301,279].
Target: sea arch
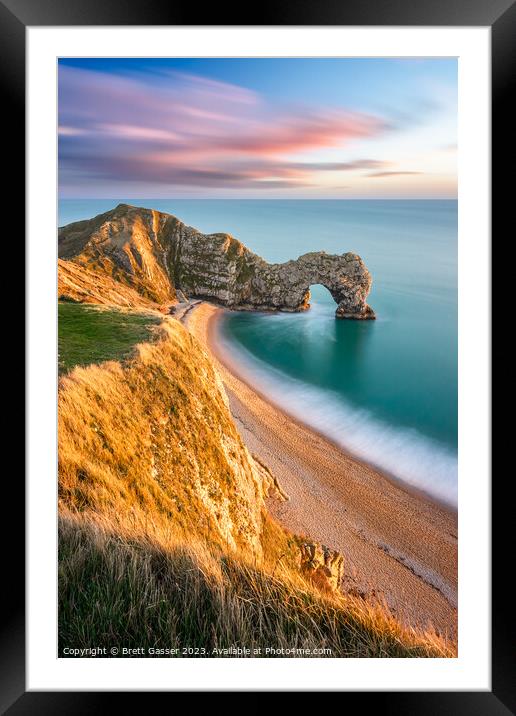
[345,277]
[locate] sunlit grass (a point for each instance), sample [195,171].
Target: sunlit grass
[90,334]
[120,589]
[164,540]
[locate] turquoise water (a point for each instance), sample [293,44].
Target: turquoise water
[384,389]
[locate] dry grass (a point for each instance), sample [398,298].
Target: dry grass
[120,589]
[84,285]
[151,441]
[164,540]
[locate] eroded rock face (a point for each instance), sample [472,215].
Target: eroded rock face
[158,255]
[322,565]
[271,485]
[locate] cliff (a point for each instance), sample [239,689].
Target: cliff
[164,539]
[153,436]
[155,254]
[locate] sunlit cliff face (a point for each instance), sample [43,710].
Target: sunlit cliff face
[165,132]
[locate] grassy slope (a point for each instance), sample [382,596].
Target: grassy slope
[89,334]
[163,537]
[80,284]
[150,444]
[119,589]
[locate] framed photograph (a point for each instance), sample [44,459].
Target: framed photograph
[258,266]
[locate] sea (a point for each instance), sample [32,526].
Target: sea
[385,390]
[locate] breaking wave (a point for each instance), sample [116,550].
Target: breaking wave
[415,459]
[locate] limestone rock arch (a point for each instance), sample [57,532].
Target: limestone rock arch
[286,287]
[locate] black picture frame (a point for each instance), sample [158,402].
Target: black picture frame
[15,17]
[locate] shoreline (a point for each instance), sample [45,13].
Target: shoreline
[398,542]
[233,366]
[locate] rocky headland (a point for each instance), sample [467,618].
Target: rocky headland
[157,256]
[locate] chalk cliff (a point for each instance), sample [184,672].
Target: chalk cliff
[156,254]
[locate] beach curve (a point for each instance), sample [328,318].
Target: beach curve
[397,544]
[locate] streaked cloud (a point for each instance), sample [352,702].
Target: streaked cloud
[392,174]
[181,129]
[339,166]
[71,131]
[177,130]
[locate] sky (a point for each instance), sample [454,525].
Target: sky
[320,128]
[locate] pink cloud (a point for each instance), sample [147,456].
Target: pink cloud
[298,133]
[71,131]
[179,129]
[380,175]
[129,131]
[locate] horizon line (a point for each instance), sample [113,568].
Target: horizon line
[252,198]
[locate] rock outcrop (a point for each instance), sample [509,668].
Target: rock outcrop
[271,486]
[156,254]
[322,566]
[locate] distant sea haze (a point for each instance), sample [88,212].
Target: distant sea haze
[385,390]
